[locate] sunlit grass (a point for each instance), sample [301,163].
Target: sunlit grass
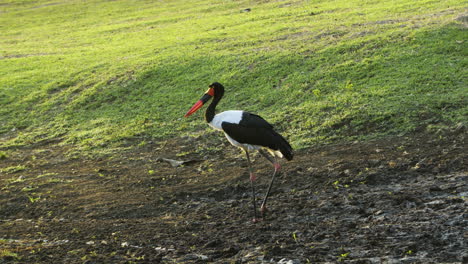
[97,72]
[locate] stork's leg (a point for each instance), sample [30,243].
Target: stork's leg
[277,169]
[252,180]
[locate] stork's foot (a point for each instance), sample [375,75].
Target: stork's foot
[256,220]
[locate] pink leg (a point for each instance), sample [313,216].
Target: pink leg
[252,180]
[277,166]
[253,177]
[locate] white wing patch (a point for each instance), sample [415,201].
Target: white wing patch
[232,116]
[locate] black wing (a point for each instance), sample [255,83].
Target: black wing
[248,135]
[254,130]
[252,120]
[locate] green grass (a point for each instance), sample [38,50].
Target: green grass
[13,169]
[3,155]
[8,255]
[95,73]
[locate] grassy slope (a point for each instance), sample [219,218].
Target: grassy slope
[96,72]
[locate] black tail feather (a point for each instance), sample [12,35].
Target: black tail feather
[283,146]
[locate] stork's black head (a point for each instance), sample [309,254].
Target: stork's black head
[215,90]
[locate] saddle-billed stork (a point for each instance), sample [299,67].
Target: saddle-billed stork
[247,131]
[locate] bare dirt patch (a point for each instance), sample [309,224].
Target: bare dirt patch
[393,200]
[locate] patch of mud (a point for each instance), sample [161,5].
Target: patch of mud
[394,200]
